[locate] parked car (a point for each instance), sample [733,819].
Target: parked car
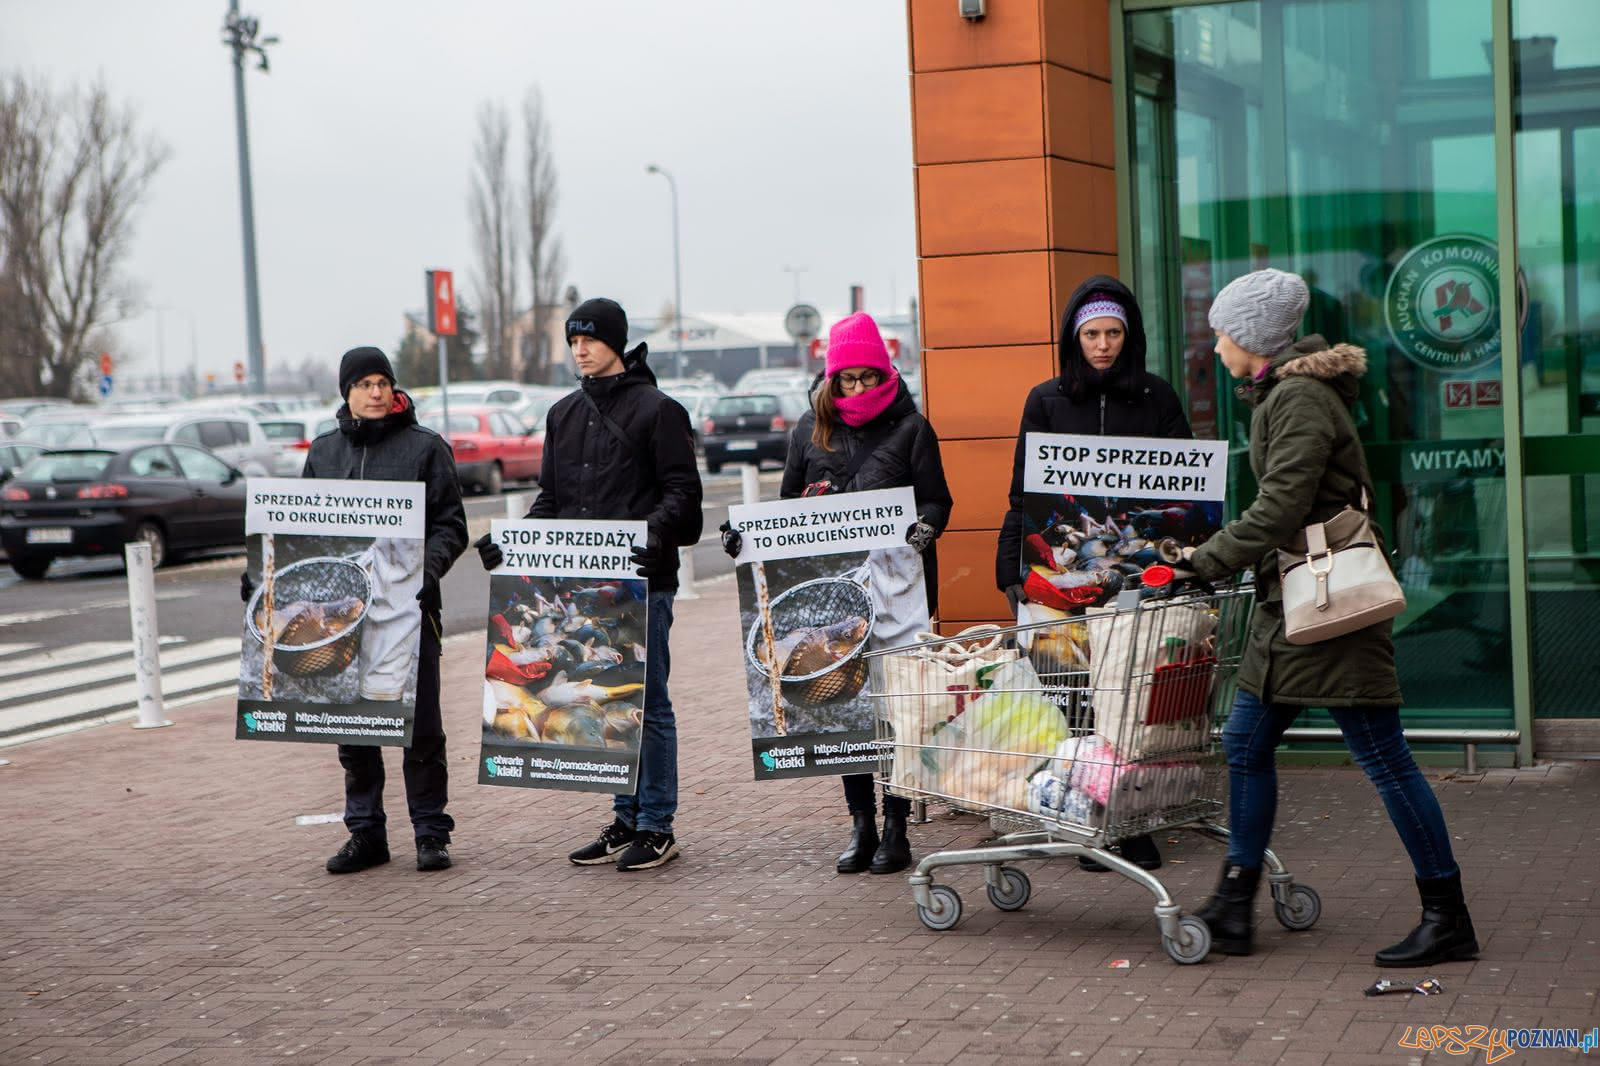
[776,379]
[291,435]
[60,427]
[236,439]
[483,394]
[750,427]
[92,501]
[9,426]
[491,447]
[531,412]
[23,406]
[12,455]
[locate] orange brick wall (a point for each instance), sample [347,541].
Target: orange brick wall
[1016,203]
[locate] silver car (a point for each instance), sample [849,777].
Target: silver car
[236,439]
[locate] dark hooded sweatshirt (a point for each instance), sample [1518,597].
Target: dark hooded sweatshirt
[1125,401]
[589,472]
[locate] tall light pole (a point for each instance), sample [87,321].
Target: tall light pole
[795,272]
[677,272]
[239,34]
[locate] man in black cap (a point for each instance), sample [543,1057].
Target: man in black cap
[378,439]
[619,448]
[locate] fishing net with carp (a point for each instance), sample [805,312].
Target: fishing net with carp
[813,607]
[324,581]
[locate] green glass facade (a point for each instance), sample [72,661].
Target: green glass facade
[1365,144]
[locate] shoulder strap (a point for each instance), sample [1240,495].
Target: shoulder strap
[864,448]
[611,425]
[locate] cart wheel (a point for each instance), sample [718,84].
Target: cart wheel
[946,909]
[1012,893]
[1302,910]
[1193,942]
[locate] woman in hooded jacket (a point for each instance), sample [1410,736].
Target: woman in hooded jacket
[1103,390]
[864,432]
[1309,465]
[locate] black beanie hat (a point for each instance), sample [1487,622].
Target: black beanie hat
[602,319]
[358,363]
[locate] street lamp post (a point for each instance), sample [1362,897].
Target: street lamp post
[677,272]
[239,34]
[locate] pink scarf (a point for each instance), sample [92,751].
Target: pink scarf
[863,407]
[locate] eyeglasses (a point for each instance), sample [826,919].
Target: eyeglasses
[374,385]
[870,378]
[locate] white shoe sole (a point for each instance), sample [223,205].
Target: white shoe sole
[661,860]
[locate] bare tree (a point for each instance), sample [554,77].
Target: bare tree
[494,236]
[73,169]
[545,261]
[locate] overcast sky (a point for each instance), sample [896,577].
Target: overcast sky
[785,122]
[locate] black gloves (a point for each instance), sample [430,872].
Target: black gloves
[247,588]
[1014,596]
[653,559]
[919,535]
[489,551]
[732,540]
[428,594]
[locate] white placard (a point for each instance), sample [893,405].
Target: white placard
[336,508]
[1143,468]
[562,547]
[823,525]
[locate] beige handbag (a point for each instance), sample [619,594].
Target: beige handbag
[1335,579]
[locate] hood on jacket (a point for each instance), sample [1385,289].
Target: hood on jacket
[1340,365]
[1079,379]
[635,371]
[402,413]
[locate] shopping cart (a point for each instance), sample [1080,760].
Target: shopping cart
[1072,735]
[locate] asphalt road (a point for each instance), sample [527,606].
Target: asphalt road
[85,601]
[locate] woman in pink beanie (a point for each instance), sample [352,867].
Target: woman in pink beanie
[864,432]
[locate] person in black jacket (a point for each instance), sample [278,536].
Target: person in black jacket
[1103,390]
[378,439]
[620,448]
[863,404]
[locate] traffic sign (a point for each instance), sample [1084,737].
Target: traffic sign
[803,322]
[105,362]
[238,372]
[441,303]
[105,382]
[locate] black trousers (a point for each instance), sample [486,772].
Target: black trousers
[862,798]
[423,765]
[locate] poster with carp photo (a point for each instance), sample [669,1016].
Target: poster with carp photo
[822,580]
[564,657]
[332,630]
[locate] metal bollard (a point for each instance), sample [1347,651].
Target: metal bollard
[750,482]
[514,507]
[146,636]
[686,574]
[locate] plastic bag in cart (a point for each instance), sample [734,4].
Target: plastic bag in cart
[986,755]
[1128,651]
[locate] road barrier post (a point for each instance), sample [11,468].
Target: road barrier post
[750,482]
[146,635]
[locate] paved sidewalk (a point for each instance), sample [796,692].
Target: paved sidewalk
[160,905]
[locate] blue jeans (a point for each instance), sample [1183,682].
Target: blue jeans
[1376,742]
[651,807]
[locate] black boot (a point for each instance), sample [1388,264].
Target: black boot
[894,853]
[1228,913]
[857,855]
[1445,933]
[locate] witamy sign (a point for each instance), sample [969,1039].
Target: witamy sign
[1126,467]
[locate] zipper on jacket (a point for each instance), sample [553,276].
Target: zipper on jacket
[1102,414]
[364,460]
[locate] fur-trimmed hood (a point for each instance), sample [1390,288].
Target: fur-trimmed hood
[1340,365]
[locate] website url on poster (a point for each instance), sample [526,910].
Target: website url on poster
[348,720]
[1497,1044]
[834,760]
[348,731]
[553,776]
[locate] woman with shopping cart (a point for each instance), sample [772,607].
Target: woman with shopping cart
[1309,465]
[1103,390]
[864,432]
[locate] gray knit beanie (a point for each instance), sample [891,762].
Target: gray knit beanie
[1261,311]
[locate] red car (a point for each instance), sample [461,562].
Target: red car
[491,446]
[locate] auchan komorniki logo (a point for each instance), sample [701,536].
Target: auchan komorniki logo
[1441,304]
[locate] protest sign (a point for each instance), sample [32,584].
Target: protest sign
[821,581]
[333,629]
[564,662]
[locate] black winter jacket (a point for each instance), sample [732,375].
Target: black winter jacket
[395,448]
[1126,402]
[589,473]
[906,454]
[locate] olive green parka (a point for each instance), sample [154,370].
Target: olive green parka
[1308,464]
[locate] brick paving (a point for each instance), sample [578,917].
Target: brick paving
[160,905]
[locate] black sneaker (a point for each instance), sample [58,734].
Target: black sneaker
[612,839]
[432,854]
[648,851]
[360,852]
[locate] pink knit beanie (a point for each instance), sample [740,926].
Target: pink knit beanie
[855,341]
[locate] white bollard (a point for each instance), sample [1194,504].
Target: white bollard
[750,482]
[515,509]
[146,636]
[686,574]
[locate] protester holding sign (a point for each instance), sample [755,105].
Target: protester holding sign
[1309,463]
[619,448]
[864,432]
[1103,390]
[378,439]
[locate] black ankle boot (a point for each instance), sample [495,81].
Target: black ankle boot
[1445,933]
[894,853]
[857,855]
[1228,913]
